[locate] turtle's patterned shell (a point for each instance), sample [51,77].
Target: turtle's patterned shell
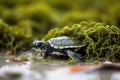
[64,42]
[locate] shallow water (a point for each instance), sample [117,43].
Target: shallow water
[31,70]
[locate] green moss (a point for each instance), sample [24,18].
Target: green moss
[24,58]
[12,58]
[103,40]
[6,35]
[71,62]
[34,18]
[11,40]
[34,58]
[48,61]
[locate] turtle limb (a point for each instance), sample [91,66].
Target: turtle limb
[76,57]
[43,54]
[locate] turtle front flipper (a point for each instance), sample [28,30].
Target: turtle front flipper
[76,57]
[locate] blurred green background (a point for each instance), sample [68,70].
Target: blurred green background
[22,21]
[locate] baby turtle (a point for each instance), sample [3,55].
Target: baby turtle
[64,45]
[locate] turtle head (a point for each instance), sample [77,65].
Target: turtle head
[40,45]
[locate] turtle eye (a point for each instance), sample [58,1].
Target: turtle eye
[38,44]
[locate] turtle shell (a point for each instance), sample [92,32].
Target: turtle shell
[64,42]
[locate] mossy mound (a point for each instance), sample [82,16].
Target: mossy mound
[103,40]
[47,14]
[9,40]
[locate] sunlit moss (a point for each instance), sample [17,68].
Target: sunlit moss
[103,40]
[9,17]
[34,58]
[24,58]
[14,3]
[72,17]
[71,62]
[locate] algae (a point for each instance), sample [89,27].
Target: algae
[103,40]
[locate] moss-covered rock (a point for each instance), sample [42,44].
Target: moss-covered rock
[103,40]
